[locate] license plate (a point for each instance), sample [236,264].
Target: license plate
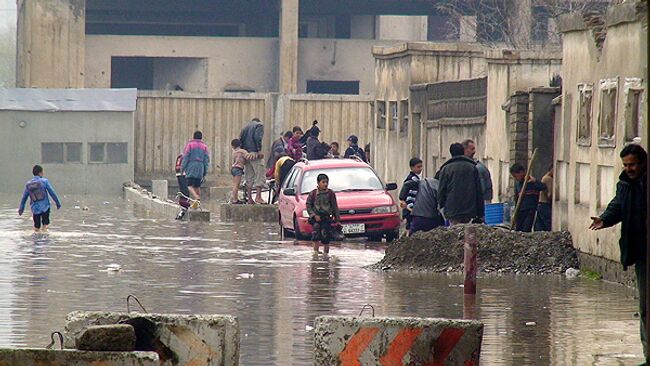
[354,228]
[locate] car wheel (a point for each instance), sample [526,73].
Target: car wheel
[296,230]
[392,236]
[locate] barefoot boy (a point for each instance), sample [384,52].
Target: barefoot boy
[37,190]
[237,169]
[322,208]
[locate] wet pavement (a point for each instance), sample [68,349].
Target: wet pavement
[277,288]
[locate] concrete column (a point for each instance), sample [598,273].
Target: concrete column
[467,29]
[289,46]
[50,43]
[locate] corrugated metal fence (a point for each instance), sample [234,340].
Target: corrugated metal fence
[165,121]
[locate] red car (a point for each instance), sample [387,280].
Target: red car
[367,209]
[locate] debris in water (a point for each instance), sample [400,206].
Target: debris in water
[572,272]
[244,276]
[530,324]
[113,267]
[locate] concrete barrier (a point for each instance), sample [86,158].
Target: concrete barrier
[160,205]
[248,213]
[160,188]
[396,341]
[50,357]
[188,340]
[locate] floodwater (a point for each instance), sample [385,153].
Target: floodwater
[277,288]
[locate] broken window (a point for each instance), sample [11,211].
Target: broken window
[404,120]
[96,152]
[381,114]
[117,153]
[72,152]
[393,116]
[585,97]
[607,115]
[633,105]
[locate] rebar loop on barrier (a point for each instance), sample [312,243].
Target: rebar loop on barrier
[49,346]
[128,307]
[366,306]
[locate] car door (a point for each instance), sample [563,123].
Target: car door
[286,207]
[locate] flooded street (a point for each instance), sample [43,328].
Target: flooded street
[277,288]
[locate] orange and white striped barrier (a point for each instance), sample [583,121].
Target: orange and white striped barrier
[356,341]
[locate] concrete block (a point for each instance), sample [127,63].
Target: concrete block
[181,340]
[116,337]
[248,213]
[194,215]
[160,188]
[396,341]
[50,357]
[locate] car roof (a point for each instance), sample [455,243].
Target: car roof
[331,163]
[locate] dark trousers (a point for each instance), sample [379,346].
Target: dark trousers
[43,218]
[543,220]
[525,220]
[322,230]
[641,278]
[419,223]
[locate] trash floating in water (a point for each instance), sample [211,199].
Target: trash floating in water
[113,267]
[308,328]
[531,324]
[244,276]
[572,272]
[85,208]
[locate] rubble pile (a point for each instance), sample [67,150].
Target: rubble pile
[499,251]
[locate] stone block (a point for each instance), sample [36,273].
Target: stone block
[194,215]
[249,213]
[342,340]
[116,337]
[50,357]
[160,188]
[180,340]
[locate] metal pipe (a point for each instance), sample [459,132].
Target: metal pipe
[469,270]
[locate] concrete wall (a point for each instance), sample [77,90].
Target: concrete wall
[586,173]
[337,59]
[241,62]
[396,69]
[21,147]
[509,71]
[50,44]
[402,27]
[51,357]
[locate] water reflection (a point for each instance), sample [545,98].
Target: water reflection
[277,288]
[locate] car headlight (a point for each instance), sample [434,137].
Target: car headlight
[384,209]
[305,213]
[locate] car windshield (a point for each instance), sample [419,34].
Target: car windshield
[343,180]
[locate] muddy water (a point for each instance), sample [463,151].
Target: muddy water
[276,288]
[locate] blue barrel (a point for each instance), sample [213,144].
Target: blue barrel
[494,214]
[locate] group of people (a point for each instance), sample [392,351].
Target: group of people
[460,189]
[291,147]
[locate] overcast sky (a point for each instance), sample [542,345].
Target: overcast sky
[7,13]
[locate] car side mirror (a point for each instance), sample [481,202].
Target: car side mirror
[289,191]
[391,186]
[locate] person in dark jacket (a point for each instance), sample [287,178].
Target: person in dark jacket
[278,147]
[629,208]
[460,196]
[314,149]
[409,191]
[483,172]
[251,137]
[354,149]
[526,215]
[309,132]
[425,215]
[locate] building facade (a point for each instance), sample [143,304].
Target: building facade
[603,108]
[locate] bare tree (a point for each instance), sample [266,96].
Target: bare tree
[519,24]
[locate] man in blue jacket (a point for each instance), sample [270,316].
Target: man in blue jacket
[37,190]
[629,208]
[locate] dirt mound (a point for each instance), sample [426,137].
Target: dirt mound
[499,250]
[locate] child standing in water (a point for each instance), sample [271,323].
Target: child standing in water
[37,190]
[237,169]
[322,209]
